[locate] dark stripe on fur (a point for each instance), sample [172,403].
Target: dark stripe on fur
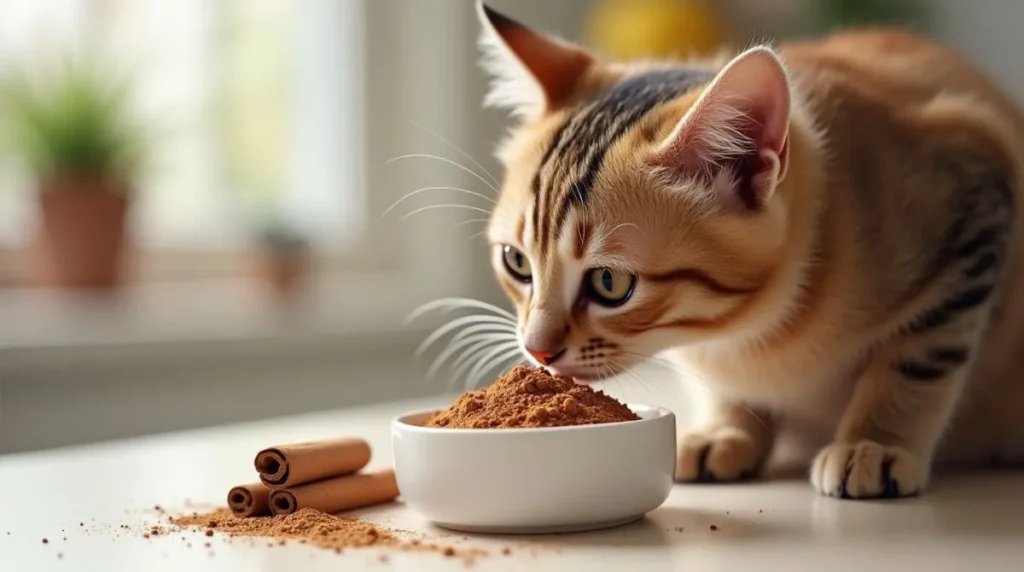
[699,276]
[930,320]
[943,314]
[974,244]
[983,264]
[981,240]
[919,371]
[969,298]
[536,186]
[595,127]
[951,356]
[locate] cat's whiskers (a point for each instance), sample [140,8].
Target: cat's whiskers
[608,375]
[690,377]
[503,364]
[460,322]
[477,350]
[487,361]
[457,149]
[448,304]
[634,376]
[439,188]
[468,339]
[601,239]
[446,206]
[482,341]
[477,235]
[479,177]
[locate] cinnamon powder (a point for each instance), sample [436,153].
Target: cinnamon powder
[308,526]
[531,397]
[318,528]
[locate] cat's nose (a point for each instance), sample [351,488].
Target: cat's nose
[546,357]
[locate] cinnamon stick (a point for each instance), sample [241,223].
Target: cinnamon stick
[248,500]
[291,465]
[337,494]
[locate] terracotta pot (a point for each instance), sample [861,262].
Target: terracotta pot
[281,273]
[81,239]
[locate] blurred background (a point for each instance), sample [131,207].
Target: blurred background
[191,192]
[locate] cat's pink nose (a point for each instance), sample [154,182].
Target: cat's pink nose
[546,357]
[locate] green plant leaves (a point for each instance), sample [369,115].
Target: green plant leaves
[73,122]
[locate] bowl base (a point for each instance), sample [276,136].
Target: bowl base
[553,529]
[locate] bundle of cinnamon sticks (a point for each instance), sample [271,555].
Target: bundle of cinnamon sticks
[325,476]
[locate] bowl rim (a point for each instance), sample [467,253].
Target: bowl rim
[659,413]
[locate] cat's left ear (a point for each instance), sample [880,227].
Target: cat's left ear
[737,131]
[532,73]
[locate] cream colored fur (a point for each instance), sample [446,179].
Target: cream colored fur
[825,347]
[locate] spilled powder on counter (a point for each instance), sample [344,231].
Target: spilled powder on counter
[531,397]
[307,526]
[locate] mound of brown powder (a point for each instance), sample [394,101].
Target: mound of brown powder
[531,397]
[317,528]
[312,527]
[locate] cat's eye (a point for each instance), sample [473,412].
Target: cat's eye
[611,287]
[516,263]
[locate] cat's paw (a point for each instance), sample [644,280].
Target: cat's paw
[716,455]
[868,470]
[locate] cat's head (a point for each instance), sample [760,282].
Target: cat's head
[640,208]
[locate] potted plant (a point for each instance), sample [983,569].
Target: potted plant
[282,260]
[73,132]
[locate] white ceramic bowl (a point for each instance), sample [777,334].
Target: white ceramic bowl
[561,479]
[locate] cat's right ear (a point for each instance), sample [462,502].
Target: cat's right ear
[532,73]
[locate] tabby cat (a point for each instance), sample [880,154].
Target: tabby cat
[825,233]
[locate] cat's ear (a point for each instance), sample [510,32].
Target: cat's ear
[736,134]
[532,73]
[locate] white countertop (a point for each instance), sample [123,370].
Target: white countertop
[964,523]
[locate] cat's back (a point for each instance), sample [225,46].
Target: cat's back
[894,66]
[922,145]
[910,127]
[892,81]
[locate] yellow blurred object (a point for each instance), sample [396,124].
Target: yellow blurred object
[627,29]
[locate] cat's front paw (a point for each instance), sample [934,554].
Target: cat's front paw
[868,470]
[716,455]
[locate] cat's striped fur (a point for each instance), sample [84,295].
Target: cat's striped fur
[826,233]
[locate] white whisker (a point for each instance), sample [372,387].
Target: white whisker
[472,220]
[488,363]
[470,364]
[690,376]
[452,303]
[451,325]
[489,184]
[599,241]
[487,327]
[445,206]
[491,363]
[457,149]
[456,345]
[606,375]
[576,191]
[472,353]
[425,189]
[635,376]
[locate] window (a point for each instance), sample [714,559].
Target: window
[283,106]
[254,106]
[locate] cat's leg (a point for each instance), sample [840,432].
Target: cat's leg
[732,443]
[902,402]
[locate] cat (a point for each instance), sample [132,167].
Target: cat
[825,232]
